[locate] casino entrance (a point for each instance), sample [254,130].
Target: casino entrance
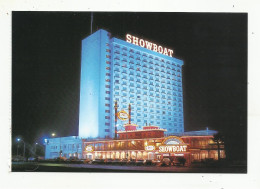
[176,158]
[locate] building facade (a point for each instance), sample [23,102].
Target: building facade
[150,143]
[63,147]
[125,71]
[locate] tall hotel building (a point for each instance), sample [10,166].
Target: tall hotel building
[114,69]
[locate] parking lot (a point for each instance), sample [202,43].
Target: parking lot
[81,167]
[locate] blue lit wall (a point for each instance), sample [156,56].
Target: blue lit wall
[92,85]
[112,69]
[69,146]
[150,82]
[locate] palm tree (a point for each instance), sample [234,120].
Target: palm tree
[219,139]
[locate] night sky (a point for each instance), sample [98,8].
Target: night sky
[46,51]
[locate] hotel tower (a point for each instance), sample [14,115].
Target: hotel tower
[134,71]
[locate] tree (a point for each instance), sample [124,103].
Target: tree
[219,139]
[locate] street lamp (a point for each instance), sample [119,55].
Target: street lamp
[53,134]
[35,149]
[18,140]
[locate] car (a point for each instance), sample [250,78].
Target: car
[148,162]
[131,162]
[124,162]
[98,161]
[74,160]
[116,162]
[32,159]
[87,161]
[139,162]
[108,161]
[166,162]
[60,159]
[18,158]
[156,162]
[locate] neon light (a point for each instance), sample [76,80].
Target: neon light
[149,148]
[122,115]
[172,148]
[148,45]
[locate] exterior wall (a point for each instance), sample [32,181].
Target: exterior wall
[63,147]
[150,82]
[199,149]
[141,134]
[92,85]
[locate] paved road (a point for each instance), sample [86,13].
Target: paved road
[62,167]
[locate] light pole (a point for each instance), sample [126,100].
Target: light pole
[35,150]
[17,149]
[18,140]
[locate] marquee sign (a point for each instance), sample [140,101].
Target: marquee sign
[148,45]
[123,115]
[150,148]
[89,148]
[172,144]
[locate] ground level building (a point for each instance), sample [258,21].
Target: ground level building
[148,143]
[131,145]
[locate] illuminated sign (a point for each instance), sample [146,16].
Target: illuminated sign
[172,148]
[148,45]
[177,154]
[149,148]
[173,144]
[123,115]
[89,148]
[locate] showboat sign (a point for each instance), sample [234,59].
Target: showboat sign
[172,144]
[123,115]
[148,45]
[89,148]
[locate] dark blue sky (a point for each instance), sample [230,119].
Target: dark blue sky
[46,49]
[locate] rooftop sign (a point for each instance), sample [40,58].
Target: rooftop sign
[148,45]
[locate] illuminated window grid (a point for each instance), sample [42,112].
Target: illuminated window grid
[149,83]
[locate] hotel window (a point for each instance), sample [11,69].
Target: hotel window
[108,62]
[116,81]
[107,111]
[106,130]
[107,74]
[107,92]
[107,98]
[108,56]
[107,124]
[107,80]
[107,105]
[107,86]
[107,117]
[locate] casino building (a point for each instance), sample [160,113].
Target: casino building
[150,143]
[143,81]
[135,72]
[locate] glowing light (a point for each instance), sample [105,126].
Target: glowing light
[148,45]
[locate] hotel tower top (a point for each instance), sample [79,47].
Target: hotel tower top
[136,72]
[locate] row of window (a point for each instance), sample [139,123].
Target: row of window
[137,54]
[139,79]
[145,67]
